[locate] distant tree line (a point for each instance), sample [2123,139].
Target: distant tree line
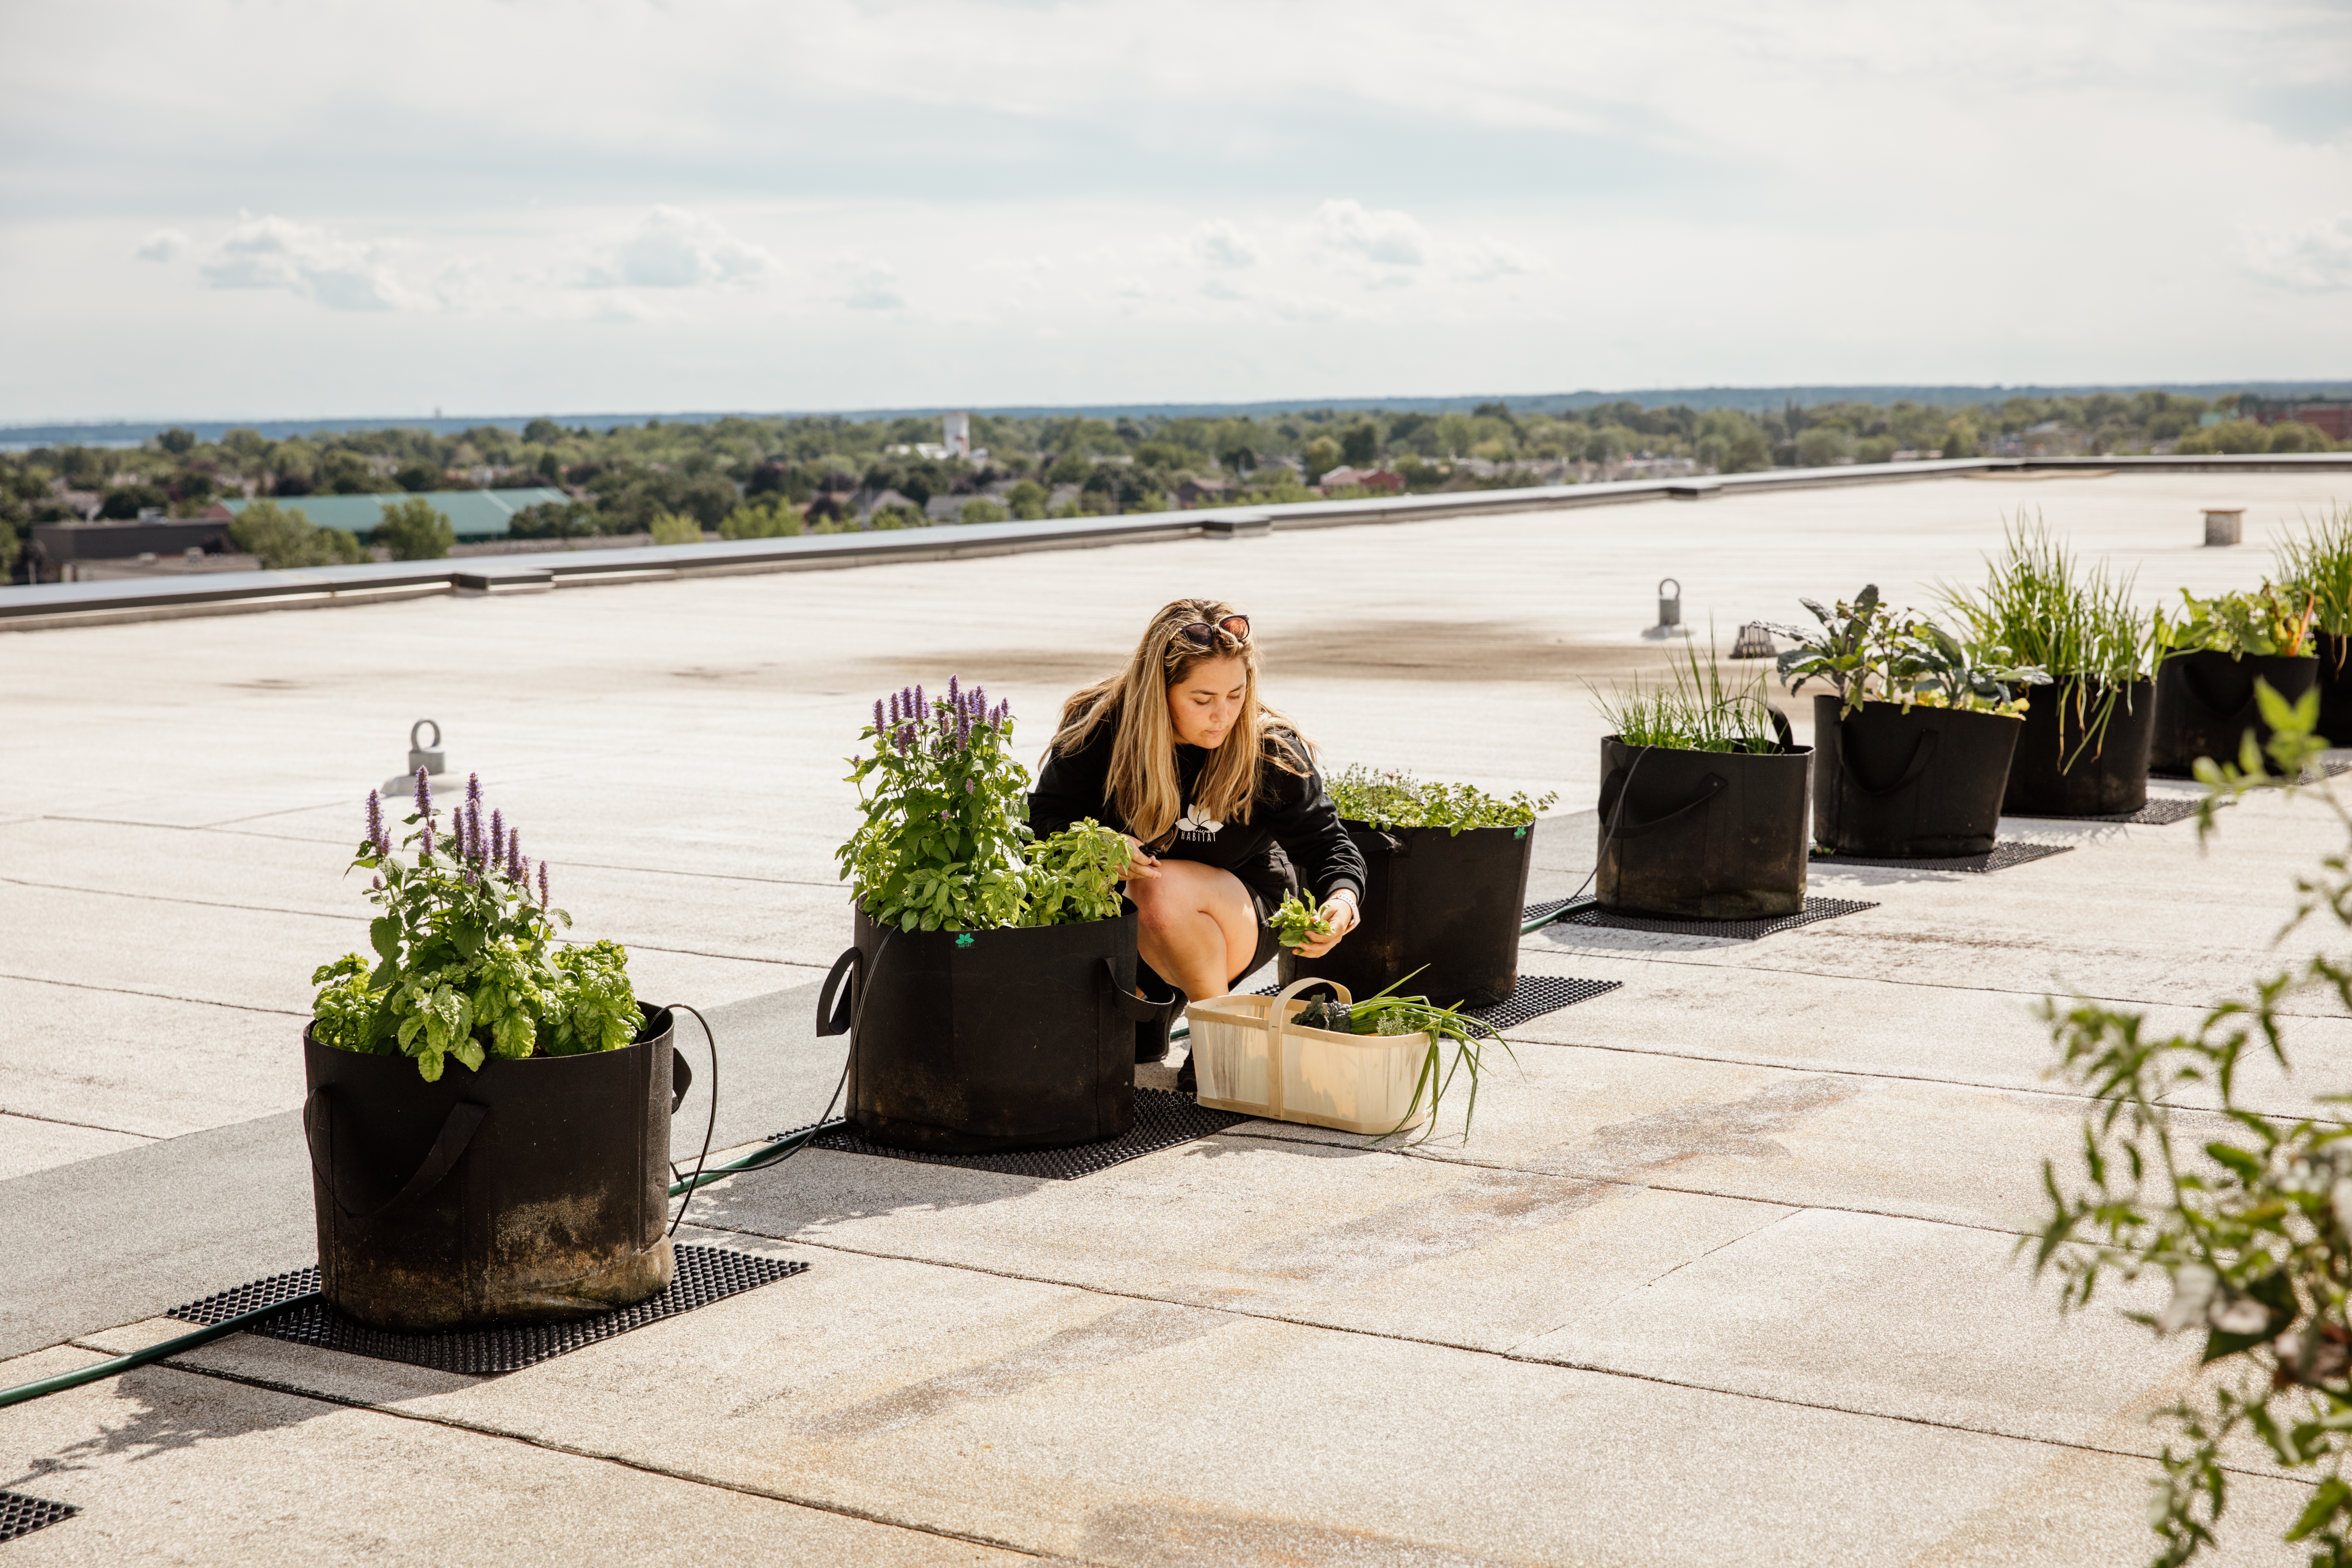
[748,478]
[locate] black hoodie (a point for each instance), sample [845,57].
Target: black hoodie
[1292,821]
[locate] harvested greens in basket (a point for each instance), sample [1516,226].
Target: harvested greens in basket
[1399,1016]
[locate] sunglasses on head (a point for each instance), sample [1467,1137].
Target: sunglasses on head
[1203,634]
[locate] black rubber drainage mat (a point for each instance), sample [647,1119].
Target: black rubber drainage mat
[705,1274]
[1163,1119]
[2002,857]
[1532,997]
[2159,810]
[1735,931]
[2329,767]
[22,1515]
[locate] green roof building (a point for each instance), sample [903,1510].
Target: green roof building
[474,514]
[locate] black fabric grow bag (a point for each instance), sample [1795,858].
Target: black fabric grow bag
[531,1191]
[2108,778]
[1913,785]
[2335,688]
[1715,835]
[1448,904]
[985,1042]
[2205,703]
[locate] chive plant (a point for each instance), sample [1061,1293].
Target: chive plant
[2319,569]
[2050,611]
[1700,711]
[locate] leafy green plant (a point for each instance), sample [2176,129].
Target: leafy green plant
[1295,922]
[1868,653]
[467,967]
[2271,619]
[1073,876]
[2254,1230]
[1699,712]
[2318,567]
[943,846]
[669,528]
[1392,798]
[773,517]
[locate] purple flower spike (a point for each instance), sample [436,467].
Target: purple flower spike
[877,715]
[375,822]
[424,796]
[473,792]
[496,849]
[968,787]
[920,706]
[953,698]
[542,885]
[424,844]
[515,861]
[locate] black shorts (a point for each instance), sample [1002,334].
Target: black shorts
[1268,944]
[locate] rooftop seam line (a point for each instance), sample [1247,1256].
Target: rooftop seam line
[1788,1212]
[89,1126]
[156,996]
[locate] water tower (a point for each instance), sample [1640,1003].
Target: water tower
[956,429]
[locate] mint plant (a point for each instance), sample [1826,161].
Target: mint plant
[467,965]
[943,846]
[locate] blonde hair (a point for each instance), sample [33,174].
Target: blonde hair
[1142,784]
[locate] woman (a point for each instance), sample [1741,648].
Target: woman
[1217,794]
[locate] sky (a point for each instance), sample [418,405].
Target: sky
[262,208]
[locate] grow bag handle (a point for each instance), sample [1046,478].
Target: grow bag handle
[681,1075]
[1782,732]
[458,1129]
[2196,691]
[1134,1004]
[1923,752]
[1709,788]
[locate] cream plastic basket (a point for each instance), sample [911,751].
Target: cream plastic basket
[1249,1058]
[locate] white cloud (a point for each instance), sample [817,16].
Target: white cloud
[163,244]
[272,252]
[1391,239]
[876,289]
[2314,258]
[1485,260]
[1218,288]
[673,248]
[1221,243]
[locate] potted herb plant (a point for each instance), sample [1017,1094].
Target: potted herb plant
[1702,800]
[2083,751]
[2318,570]
[1914,742]
[489,1108]
[2215,652]
[989,997]
[1445,888]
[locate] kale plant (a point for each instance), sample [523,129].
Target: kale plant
[467,967]
[2254,1230]
[1395,799]
[1866,652]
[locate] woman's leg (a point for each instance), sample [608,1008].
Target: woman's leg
[1198,924]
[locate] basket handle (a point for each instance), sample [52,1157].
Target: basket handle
[1275,1021]
[465,1120]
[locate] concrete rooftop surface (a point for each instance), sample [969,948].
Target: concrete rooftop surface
[1723,1274]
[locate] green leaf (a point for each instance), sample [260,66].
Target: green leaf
[2325,1505]
[383,935]
[2237,1159]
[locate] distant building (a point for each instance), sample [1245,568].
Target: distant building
[1364,479]
[2331,416]
[1204,492]
[473,514]
[957,430]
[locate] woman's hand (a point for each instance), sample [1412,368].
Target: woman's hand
[1140,862]
[1339,911]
